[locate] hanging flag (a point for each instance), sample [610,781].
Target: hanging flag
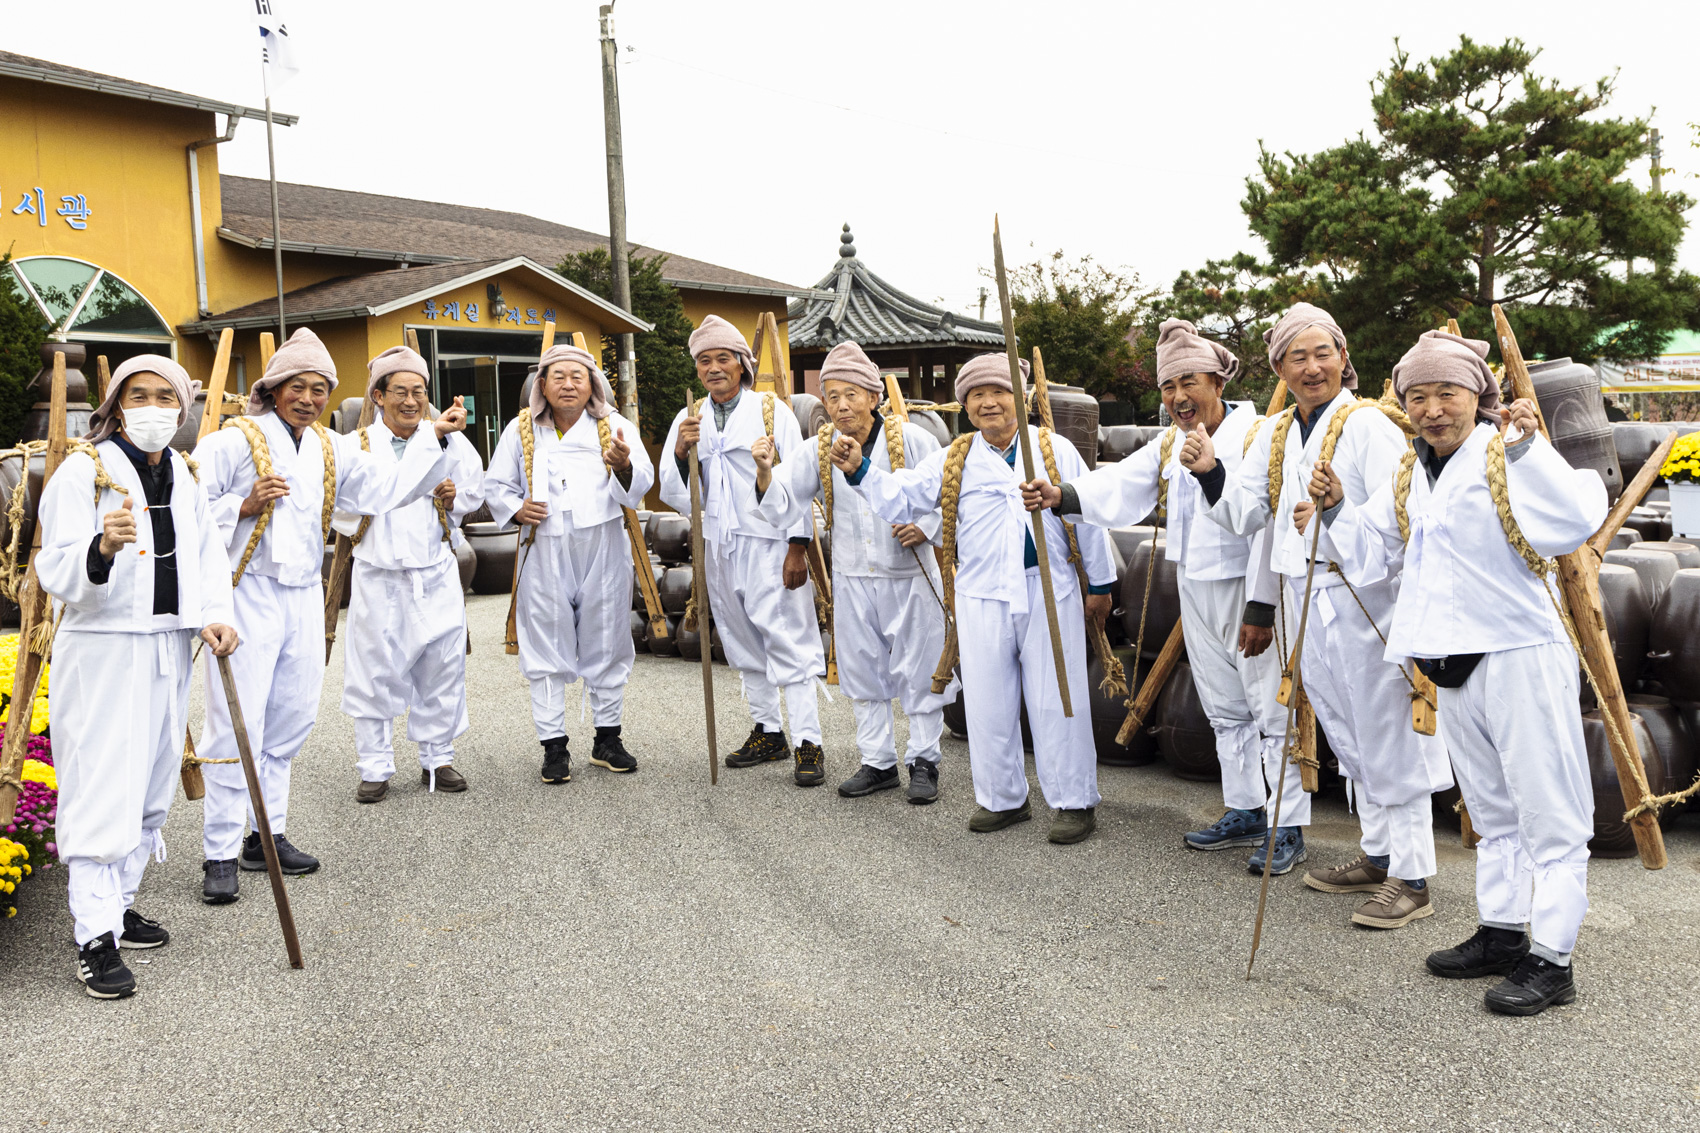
[277,50]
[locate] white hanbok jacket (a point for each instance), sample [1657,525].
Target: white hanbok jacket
[567,473]
[991,522]
[411,536]
[729,471]
[862,543]
[291,549]
[1463,588]
[70,517]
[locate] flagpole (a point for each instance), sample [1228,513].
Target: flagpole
[277,235]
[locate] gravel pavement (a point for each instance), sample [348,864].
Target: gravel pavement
[643,952]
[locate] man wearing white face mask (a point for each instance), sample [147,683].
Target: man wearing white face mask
[138,567]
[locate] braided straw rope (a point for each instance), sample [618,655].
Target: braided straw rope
[528,454]
[823,442]
[12,574]
[365,521]
[894,442]
[1251,435]
[1402,493]
[1115,677]
[1163,454]
[261,455]
[950,494]
[328,507]
[1278,457]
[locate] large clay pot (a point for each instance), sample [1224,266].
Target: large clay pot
[809,411]
[1118,442]
[466,560]
[11,472]
[77,392]
[1612,836]
[1128,538]
[1656,569]
[1688,713]
[675,586]
[640,632]
[688,641]
[1646,521]
[346,415]
[1076,415]
[1569,394]
[482,515]
[495,548]
[669,537]
[1629,617]
[716,651]
[1165,604]
[1664,723]
[1635,442]
[656,571]
[956,717]
[1184,735]
[1674,641]
[1625,537]
[1687,554]
[1108,713]
[931,422]
[667,646]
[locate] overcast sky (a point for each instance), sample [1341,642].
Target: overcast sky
[755,128]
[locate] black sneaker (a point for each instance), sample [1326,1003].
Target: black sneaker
[140,932]
[557,761]
[923,782]
[1533,986]
[761,747]
[811,765]
[289,859]
[1491,952]
[609,752]
[219,887]
[867,780]
[102,969]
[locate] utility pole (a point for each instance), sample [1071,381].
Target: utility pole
[1656,156]
[982,304]
[617,210]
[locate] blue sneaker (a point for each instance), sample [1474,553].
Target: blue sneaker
[1236,828]
[1289,851]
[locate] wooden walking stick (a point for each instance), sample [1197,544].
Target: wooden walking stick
[1040,546]
[699,596]
[510,643]
[1578,578]
[1293,730]
[35,616]
[262,820]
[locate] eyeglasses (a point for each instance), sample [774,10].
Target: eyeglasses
[404,395]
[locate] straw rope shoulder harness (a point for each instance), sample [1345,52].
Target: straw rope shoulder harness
[260,453]
[823,443]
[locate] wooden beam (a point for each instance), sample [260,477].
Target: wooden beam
[1632,496]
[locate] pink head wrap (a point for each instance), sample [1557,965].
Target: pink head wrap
[395,360]
[716,333]
[1442,357]
[1182,350]
[105,421]
[848,362]
[987,370]
[600,395]
[302,354]
[1299,318]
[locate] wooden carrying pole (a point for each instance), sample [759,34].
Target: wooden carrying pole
[699,595]
[522,548]
[342,562]
[34,615]
[262,820]
[1632,496]
[1578,577]
[1040,547]
[268,347]
[102,377]
[767,341]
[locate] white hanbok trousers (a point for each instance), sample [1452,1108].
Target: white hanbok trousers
[574,622]
[1238,694]
[1517,747]
[888,634]
[119,702]
[1364,707]
[1006,659]
[405,651]
[280,672]
[769,633]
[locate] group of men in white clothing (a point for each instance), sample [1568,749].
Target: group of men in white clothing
[935,583]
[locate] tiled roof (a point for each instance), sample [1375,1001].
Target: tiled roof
[871,312]
[43,71]
[366,225]
[359,296]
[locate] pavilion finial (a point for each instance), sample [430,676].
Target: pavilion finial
[847,244]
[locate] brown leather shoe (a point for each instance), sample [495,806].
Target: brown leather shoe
[448,779]
[1354,877]
[371,792]
[1394,905]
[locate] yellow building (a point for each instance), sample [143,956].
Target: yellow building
[123,232]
